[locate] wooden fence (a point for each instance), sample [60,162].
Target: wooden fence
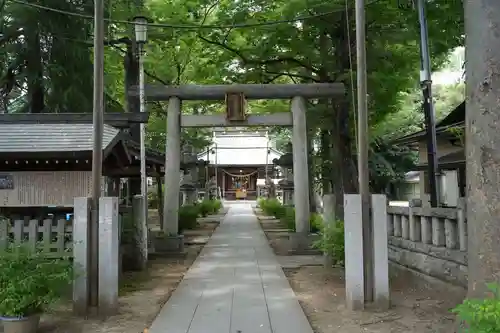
[54,235]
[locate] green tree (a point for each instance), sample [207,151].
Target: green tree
[320,49]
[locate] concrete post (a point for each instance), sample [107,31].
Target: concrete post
[300,166]
[426,230]
[405,227]
[451,235]
[380,251]
[390,225]
[109,249]
[172,167]
[415,229]
[353,238]
[462,226]
[141,232]
[438,235]
[397,225]
[81,243]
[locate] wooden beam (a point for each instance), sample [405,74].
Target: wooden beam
[219,120]
[131,171]
[115,119]
[250,91]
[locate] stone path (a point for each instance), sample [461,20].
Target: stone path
[235,286]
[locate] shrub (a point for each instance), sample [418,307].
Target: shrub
[128,229]
[273,207]
[187,217]
[31,282]
[316,223]
[481,315]
[209,206]
[332,241]
[288,217]
[204,207]
[217,205]
[260,202]
[153,199]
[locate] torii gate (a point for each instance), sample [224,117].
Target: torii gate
[235,96]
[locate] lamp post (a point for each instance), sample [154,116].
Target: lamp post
[427,102]
[428,105]
[141,30]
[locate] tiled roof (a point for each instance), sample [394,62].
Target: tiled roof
[51,137]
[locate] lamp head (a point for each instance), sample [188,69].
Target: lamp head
[141,29]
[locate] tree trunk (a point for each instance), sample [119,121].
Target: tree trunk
[343,172]
[482,31]
[326,165]
[131,66]
[343,169]
[311,167]
[34,70]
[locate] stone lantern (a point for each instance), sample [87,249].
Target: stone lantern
[286,185]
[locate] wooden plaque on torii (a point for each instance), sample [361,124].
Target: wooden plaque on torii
[235,107]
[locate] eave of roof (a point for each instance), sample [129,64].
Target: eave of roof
[455,119]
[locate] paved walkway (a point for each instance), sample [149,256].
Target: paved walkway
[235,286]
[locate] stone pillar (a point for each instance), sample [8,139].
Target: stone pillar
[353,238]
[159,191]
[109,249]
[380,251]
[397,225]
[438,234]
[81,242]
[300,166]
[462,226]
[426,230]
[172,167]
[415,229]
[451,235]
[141,232]
[405,227]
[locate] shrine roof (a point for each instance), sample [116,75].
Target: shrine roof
[20,138]
[241,149]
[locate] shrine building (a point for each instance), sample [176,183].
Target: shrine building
[240,161]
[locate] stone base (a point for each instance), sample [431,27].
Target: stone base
[168,244]
[302,244]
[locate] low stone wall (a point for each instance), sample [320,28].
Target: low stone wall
[432,241]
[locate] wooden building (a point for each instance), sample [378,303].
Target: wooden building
[238,160]
[450,151]
[46,159]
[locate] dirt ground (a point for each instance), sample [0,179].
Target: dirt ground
[418,306]
[141,294]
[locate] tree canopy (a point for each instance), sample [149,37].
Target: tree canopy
[46,61]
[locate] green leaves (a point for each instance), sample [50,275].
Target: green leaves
[481,315]
[31,282]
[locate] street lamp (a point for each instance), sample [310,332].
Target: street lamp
[141,29]
[141,32]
